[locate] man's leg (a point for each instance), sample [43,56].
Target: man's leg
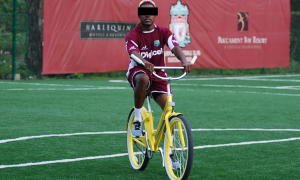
[161,100]
[141,82]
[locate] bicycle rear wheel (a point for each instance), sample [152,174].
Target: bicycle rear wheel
[136,146]
[183,148]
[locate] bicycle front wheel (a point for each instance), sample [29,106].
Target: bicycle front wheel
[183,149]
[136,146]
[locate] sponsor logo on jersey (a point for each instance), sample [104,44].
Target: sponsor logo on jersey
[152,53]
[132,48]
[156,43]
[144,48]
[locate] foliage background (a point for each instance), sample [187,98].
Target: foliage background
[6,28]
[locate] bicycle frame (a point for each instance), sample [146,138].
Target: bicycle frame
[153,137]
[173,130]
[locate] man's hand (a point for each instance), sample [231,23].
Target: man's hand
[149,66]
[187,67]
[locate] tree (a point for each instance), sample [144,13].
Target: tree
[295,5]
[35,35]
[6,37]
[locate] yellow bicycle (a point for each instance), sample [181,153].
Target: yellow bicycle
[173,130]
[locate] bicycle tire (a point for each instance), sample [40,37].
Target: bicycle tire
[136,152]
[183,155]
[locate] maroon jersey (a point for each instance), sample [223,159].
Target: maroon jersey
[150,44]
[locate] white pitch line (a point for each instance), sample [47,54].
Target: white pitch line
[242,86]
[248,143]
[59,85]
[36,84]
[256,87]
[59,135]
[124,154]
[276,80]
[63,89]
[244,78]
[254,129]
[122,132]
[246,92]
[62,161]
[118,81]
[241,77]
[276,94]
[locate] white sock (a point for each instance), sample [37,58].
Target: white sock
[138,114]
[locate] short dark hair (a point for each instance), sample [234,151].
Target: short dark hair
[145,3]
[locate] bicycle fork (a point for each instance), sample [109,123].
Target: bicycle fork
[169,108]
[150,140]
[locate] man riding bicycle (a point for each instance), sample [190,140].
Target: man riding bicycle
[146,41]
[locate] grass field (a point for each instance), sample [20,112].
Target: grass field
[243,128]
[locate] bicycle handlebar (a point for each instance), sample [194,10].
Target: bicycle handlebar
[136,59]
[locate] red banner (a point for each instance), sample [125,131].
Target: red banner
[88,36]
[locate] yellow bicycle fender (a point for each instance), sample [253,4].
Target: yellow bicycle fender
[144,115]
[175,114]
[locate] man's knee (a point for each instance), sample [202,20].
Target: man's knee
[141,80]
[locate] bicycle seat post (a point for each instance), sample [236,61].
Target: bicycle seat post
[169,87]
[149,104]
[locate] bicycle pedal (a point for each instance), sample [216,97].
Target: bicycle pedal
[149,154]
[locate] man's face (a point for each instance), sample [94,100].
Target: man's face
[147,20]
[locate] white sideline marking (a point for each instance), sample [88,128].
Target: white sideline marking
[247,92]
[242,86]
[243,77]
[247,143]
[124,154]
[36,84]
[255,129]
[277,94]
[59,135]
[64,89]
[276,80]
[62,161]
[118,81]
[259,87]
[122,132]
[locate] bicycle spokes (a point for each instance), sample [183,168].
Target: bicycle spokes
[182,153]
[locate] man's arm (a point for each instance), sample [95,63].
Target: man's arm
[180,55]
[149,66]
[133,48]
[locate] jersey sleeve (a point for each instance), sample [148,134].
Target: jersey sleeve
[131,43]
[170,40]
